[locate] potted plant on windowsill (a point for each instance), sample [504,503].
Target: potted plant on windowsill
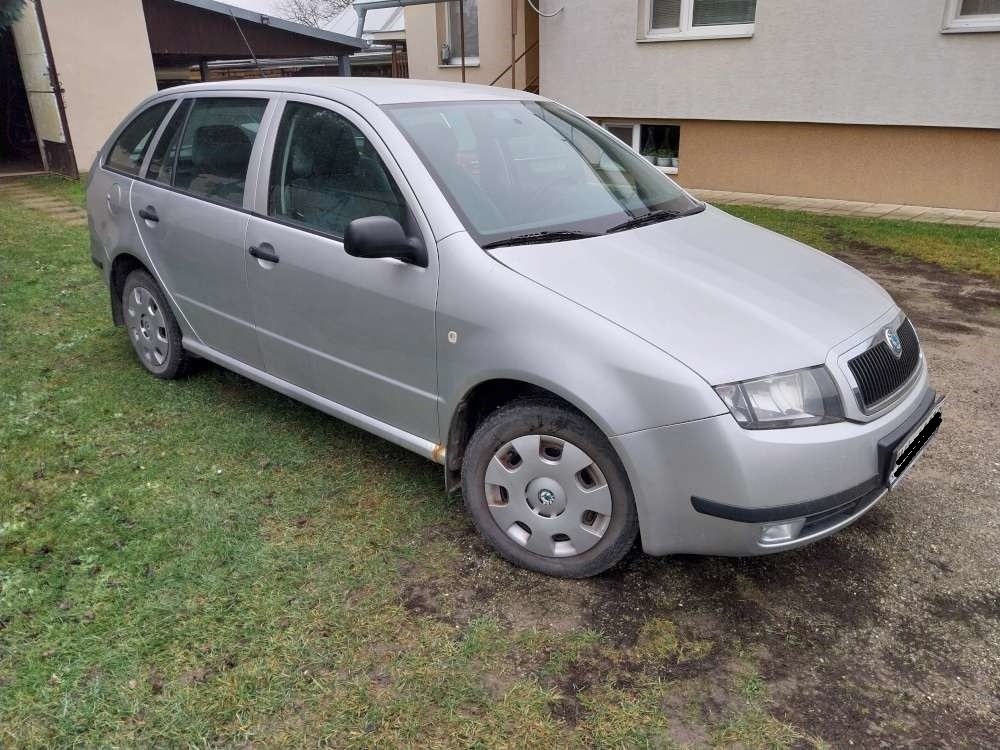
[663,156]
[648,149]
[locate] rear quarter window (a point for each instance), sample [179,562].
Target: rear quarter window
[129,149]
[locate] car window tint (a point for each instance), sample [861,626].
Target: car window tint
[130,148]
[161,163]
[215,148]
[325,173]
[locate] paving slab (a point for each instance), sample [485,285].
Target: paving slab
[838,207]
[908,212]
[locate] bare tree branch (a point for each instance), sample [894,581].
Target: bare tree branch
[311,12]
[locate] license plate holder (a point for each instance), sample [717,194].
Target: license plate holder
[909,449]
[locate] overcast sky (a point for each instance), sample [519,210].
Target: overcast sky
[261,6]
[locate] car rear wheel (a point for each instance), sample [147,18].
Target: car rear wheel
[152,328]
[545,487]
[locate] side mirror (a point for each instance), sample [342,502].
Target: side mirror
[382,237]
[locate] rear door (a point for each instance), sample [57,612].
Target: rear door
[192,210]
[359,332]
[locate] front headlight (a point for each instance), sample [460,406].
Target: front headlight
[791,399]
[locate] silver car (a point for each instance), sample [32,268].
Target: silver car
[490,280]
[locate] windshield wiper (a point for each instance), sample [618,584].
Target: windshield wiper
[536,238]
[653,217]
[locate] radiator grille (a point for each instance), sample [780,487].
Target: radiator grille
[879,373]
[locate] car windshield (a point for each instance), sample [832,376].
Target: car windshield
[529,170]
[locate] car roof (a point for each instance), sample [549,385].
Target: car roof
[378,90]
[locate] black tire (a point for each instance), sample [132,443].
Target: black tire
[157,334]
[549,418]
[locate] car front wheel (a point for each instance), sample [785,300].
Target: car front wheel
[546,488]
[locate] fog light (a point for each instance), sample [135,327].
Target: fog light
[774,533]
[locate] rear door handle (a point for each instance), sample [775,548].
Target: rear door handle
[149,214]
[264,252]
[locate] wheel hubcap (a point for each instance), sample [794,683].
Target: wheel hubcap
[548,495]
[147,328]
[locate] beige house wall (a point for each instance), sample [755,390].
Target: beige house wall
[425,33]
[877,62]
[104,65]
[856,99]
[947,167]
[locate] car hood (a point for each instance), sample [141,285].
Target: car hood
[728,298]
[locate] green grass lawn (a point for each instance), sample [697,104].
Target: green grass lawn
[957,248]
[205,562]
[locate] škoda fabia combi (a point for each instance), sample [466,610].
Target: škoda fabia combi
[491,280]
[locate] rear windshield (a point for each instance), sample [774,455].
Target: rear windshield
[516,167]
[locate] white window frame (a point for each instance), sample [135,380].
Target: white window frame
[687,30]
[955,23]
[636,144]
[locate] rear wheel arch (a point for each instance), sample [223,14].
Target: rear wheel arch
[121,267]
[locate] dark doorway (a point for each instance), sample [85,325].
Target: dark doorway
[18,145]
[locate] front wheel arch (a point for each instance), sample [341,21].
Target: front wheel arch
[477,404]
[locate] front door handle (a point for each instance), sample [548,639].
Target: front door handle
[264,252]
[149,214]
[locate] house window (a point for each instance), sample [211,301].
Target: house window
[658,144]
[452,55]
[697,19]
[971,15]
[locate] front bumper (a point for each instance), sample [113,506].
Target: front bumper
[711,487]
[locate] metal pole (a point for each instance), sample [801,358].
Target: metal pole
[513,43]
[461,33]
[344,65]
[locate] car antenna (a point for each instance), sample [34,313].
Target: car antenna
[239,28]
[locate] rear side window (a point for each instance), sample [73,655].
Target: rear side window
[161,164]
[130,148]
[325,173]
[215,148]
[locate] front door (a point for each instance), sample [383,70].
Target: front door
[359,332]
[191,216]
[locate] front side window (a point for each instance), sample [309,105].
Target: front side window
[325,173]
[127,153]
[700,18]
[215,148]
[972,15]
[511,168]
[453,38]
